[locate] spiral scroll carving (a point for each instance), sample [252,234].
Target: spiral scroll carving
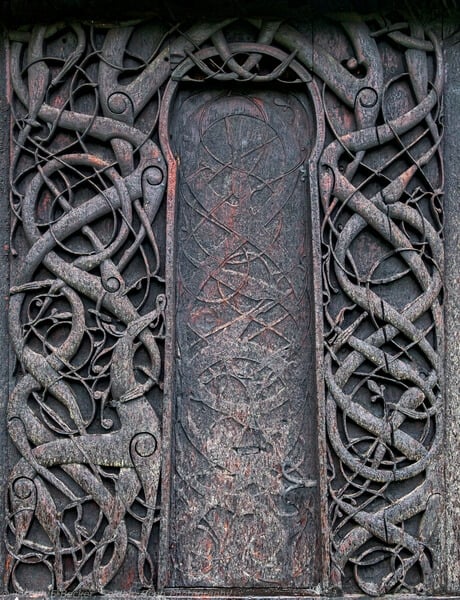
[86,321]
[87,318]
[381,190]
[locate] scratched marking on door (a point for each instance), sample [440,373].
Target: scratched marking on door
[246,473]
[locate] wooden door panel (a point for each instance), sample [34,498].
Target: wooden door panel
[245,489]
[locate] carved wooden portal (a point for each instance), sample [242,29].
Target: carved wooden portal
[245,379]
[226,286]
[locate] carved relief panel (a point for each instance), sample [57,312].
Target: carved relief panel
[226,307]
[245,343]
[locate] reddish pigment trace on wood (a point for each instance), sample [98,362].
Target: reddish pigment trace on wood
[245,491]
[88,302]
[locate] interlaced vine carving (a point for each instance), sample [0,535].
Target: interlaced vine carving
[381,189]
[86,320]
[88,300]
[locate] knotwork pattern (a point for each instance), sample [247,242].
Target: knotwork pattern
[87,320]
[87,316]
[381,184]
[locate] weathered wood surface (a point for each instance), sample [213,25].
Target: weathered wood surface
[94,303]
[245,368]
[452,276]
[5,370]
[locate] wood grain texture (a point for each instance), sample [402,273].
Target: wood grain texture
[452,277]
[246,452]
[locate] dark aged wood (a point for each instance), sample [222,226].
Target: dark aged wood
[5,374]
[258,335]
[452,286]
[245,392]
[16,12]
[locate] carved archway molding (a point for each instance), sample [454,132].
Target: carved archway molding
[88,320]
[179,541]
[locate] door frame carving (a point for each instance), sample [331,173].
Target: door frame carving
[179,76]
[357,92]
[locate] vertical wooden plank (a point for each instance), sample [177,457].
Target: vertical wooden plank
[452,282]
[311,31]
[4,267]
[246,407]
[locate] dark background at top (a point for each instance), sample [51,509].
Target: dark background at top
[34,11]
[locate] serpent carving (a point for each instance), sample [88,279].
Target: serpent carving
[89,302]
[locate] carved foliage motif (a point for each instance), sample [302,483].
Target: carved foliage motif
[88,296]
